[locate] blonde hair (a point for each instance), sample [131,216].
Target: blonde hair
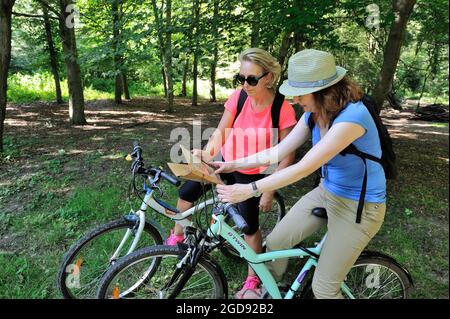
[266,61]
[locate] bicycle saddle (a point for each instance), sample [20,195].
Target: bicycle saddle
[320,212]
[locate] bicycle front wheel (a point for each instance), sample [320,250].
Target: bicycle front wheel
[91,256]
[206,282]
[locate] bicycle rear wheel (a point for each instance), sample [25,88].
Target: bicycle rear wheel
[373,276]
[378,277]
[89,258]
[206,282]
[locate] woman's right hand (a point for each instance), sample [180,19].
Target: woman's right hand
[203,155]
[223,167]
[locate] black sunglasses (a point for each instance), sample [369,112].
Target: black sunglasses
[251,79]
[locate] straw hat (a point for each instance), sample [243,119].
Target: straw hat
[311,71]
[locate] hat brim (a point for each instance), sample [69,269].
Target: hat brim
[288,90]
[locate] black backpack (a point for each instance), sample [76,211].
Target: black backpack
[276,108]
[388,158]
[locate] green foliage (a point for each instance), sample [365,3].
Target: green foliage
[339,27]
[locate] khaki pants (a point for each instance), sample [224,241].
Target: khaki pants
[345,240]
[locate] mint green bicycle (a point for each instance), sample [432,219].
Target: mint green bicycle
[188,271]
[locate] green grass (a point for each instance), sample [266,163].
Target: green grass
[444,125]
[65,196]
[23,88]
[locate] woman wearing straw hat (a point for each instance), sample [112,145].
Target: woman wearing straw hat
[325,93]
[242,134]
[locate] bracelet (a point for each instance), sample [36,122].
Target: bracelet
[256,192]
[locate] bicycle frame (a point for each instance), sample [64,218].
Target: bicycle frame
[162,208]
[221,228]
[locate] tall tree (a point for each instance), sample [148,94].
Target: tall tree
[168,56]
[160,32]
[215,36]
[53,54]
[255,23]
[196,35]
[5,58]
[66,14]
[402,10]
[116,49]
[75,84]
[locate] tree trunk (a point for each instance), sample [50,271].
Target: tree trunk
[163,74]
[185,73]
[215,32]
[74,82]
[168,56]
[126,90]
[118,87]
[298,41]
[422,90]
[196,9]
[402,10]
[255,25]
[162,45]
[53,55]
[5,58]
[284,49]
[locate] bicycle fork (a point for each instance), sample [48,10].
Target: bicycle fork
[141,215]
[186,267]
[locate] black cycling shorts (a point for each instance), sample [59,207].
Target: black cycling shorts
[249,209]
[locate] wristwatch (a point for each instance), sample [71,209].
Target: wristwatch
[256,192]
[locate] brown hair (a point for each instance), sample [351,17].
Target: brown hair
[332,99]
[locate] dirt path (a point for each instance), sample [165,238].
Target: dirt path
[40,131]
[48,161]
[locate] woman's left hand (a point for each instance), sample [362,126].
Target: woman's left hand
[235,193]
[265,203]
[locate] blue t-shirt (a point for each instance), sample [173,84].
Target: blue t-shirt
[343,175]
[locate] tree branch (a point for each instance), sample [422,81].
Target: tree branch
[49,8]
[21,14]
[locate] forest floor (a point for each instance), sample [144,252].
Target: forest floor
[57,181]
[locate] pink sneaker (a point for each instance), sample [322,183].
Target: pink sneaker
[173,239]
[251,289]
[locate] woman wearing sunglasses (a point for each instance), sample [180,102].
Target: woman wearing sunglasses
[328,96]
[241,136]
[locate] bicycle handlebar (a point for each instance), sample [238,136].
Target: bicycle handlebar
[239,221]
[137,155]
[170,178]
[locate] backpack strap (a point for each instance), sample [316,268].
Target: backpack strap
[275,111]
[351,149]
[242,98]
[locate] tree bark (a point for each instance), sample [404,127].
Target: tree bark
[5,58]
[53,55]
[168,56]
[126,90]
[162,45]
[74,82]
[196,9]
[402,11]
[117,57]
[215,32]
[284,49]
[298,41]
[255,25]
[185,74]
